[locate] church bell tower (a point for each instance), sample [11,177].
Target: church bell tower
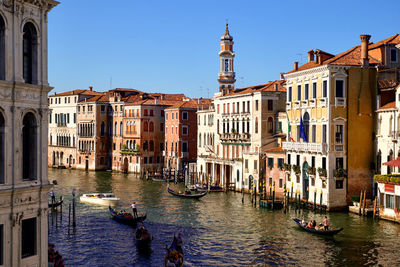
[226,76]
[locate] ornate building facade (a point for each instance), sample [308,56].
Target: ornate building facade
[23,132]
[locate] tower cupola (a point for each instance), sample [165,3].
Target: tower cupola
[226,76]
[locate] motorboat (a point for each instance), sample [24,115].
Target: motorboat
[107,199]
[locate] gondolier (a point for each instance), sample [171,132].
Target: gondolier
[53,196]
[134,210]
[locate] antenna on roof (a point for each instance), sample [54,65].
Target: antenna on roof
[208,92]
[110,82]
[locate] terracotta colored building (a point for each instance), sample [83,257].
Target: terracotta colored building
[181,133]
[274,173]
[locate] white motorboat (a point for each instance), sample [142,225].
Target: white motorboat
[107,199]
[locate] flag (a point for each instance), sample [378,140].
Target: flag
[302,132]
[289,128]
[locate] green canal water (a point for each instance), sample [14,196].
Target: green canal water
[218,230]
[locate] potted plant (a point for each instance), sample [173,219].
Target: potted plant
[340,172]
[287,167]
[311,170]
[296,169]
[322,172]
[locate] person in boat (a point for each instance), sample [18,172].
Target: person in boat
[303,222]
[325,222]
[135,215]
[53,196]
[179,243]
[310,225]
[314,223]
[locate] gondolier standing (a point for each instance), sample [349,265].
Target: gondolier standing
[134,210]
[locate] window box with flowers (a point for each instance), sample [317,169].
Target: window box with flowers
[322,173]
[388,179]
[311,170]
[340,173]
[296,169]
[287,167]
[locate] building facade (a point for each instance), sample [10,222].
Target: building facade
[244,127]
[93,139]
[23,132]
[331,104]
[62,127]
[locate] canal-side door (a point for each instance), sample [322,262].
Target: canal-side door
[305,180]
[86,164]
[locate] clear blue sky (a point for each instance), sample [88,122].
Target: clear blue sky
[172,46]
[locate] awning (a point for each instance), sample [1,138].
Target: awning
[393,163]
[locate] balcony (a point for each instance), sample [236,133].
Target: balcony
[288,105]
[340,102]
[127,151]
[395,135]
[245,112]
[296,104]
[323,102]
[235,137]
[63,124]
[339,147]
[185,154]
[304,103]
[312,103]
[305,147]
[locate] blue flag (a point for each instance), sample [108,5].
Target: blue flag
[302,131]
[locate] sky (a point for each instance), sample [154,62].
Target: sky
[172,46]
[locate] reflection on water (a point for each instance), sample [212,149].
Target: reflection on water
[218,230]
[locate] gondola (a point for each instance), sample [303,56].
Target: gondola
[319,232]
[143,238]
[127,219]
[56,204]
[187,195]
[174,256]
[161,180]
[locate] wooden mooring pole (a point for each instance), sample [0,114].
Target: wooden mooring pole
[69,217]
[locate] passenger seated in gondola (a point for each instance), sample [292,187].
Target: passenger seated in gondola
[314,223]
[303,222]
[310,225]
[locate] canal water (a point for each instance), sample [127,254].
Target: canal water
[218,230]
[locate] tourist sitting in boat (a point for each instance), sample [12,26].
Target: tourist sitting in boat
[303,222]
[310,225]
[314,223]
[325,222]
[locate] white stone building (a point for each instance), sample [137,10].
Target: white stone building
[62,127]
[243,125]
[23,132]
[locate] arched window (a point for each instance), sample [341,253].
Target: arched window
[2,49]
[306,122]
[145,146]
[102,129]
[120,128]
[270,125]
[110,128]
[2,149]
[145,126]
[29,147]
[151,127]
[30,53]
[151,145]
[115,129]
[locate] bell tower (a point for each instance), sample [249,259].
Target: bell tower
[226,76]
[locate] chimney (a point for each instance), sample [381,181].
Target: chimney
[199,101]
[162,97]
[156,100]
[296,65]
[311,55]
[364,49]
[276,86]
[90,88]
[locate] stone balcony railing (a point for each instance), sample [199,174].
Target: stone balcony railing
[235,137]
[306,147]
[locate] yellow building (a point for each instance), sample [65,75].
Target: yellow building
[330,105]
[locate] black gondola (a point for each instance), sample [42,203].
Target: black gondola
[143,238]
[127,219]
[56,204]
[187,194]
[174,255]
[319,232]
